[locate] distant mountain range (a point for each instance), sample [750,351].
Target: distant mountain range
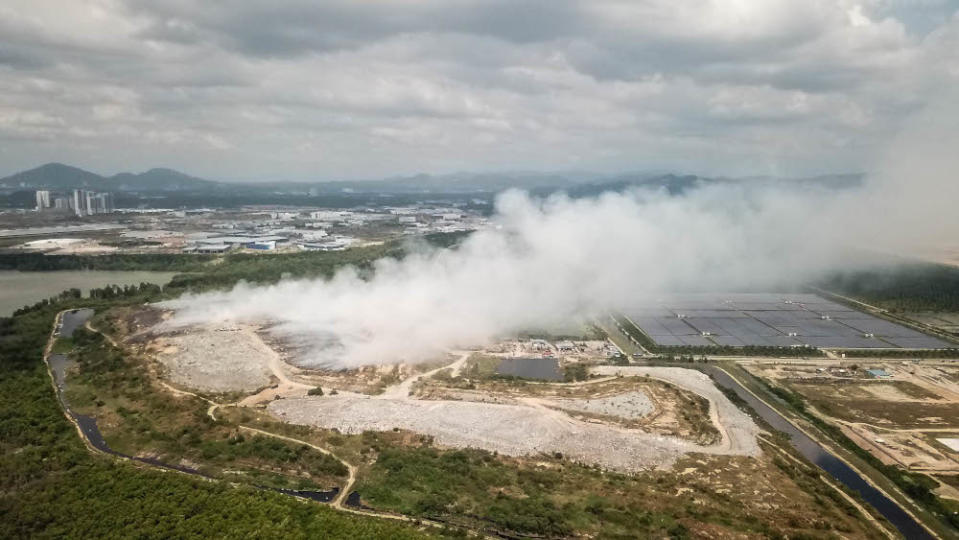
[57,176]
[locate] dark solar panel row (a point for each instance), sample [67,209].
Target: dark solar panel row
[771,320]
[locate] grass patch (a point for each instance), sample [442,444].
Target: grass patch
[549,497]
[854,402]
[62,345]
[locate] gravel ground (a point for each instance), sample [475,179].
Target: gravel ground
[215,359]
[740,430]
[526,429]
[630,405]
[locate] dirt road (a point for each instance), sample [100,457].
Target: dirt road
[529,426]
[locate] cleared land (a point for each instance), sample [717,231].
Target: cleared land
[764,493]
[630,405]
[900,419]
[530,427]
[621,427]
[216,359]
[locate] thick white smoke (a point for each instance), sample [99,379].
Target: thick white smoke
[548,262]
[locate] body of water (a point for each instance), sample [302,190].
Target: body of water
[546,369]
[71,320]
[18,289]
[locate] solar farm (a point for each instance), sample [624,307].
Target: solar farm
[777,320]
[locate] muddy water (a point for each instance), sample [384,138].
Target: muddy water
[18,289]
[71,320]
[546,369]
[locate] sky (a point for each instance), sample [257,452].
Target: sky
[307,90]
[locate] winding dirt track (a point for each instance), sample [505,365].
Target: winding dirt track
[337,503]
[351,479]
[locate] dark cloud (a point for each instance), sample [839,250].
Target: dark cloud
[298,27]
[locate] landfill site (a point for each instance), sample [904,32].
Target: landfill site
[581,398]
[515,397]
[624,418]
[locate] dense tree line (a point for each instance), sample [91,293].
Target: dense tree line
[50,486]
[901,353]
[908,287]
[167,262]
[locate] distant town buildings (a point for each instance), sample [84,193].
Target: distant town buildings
[43,200]
[261,229]
[88,203]
[82,202]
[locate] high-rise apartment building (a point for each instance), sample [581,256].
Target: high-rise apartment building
[43,200]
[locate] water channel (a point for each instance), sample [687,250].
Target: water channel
[825,460]
[60,364]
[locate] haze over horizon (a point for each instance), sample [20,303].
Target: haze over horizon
[339,90]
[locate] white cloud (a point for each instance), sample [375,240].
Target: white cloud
[390,87]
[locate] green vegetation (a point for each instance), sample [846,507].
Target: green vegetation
[51,486]
[902,288]
[168,262]
[270,268]
[899,353]
[480,366]
[62,345]
[555,498]
[575,372]
[315,391]
[140,418]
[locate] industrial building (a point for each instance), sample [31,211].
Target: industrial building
[268,245]
[878,374]
[333,245]
[208,248]
[220,244]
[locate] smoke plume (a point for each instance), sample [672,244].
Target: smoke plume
[551,261]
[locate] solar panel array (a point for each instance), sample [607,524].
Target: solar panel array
[763,319]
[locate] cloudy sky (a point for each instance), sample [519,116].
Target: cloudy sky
[268,89]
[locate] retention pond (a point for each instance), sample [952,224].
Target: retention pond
[545,369]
